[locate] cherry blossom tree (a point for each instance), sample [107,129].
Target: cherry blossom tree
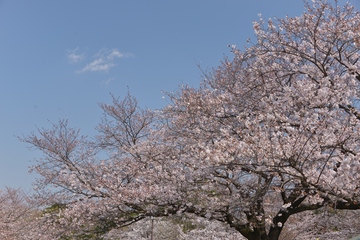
[113,181]
[13,209]
[269,134]
[20,217]
[279,121]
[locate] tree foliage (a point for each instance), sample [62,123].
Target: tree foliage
[270,133]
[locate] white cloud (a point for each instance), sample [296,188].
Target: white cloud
[104,60]
[73,56]
[114,53]
[98,65]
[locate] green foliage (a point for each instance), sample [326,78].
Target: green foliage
[55,208]
[88,231]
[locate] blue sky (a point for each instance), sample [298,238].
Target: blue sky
[59,59]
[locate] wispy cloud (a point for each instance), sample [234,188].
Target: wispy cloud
[73,56]
[106,82]
[104,60]
[98,65]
